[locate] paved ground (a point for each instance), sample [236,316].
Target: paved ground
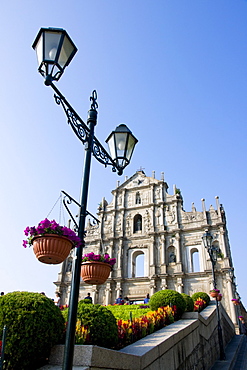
[241,361]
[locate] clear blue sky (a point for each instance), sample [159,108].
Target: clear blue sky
[174,71]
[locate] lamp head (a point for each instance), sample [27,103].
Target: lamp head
[121,144]
[207,240]
[55,50]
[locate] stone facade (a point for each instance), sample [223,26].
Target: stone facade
[144,220]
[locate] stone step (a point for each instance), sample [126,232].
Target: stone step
[57,367]
[231,351]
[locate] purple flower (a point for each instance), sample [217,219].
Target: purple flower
[98,257]
[54,225]
[40,229]
[25,243]
[45,223]
[51,227]
[112,261]
[26,231]
[32,231]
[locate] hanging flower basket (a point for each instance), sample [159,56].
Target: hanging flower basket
[219,297]
[96,268]
[51,248]
[214,293]
[51,242]
[235,302]
[93,272]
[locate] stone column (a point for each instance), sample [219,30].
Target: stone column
[95,295]
[119,258]
[222,242]
[163,284]
[177,244]
[180,285]
[118,289]
[152,287]
[233,308]
[151,258]
[108,294]
[162,250]
[204,211]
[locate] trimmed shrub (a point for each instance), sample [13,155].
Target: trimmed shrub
[201,295]
[168,297]
[34,325]
[99,322]
[189,302]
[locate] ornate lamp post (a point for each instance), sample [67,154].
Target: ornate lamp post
[55,50]
[212,251]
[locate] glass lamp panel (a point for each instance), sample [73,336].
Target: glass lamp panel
[39,50]
[111,145]
[121,139]
[121,162]
[207,240]
[130,148]
[67,50]
[214,254]
[52,40]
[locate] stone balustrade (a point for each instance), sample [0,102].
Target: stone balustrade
[190,343]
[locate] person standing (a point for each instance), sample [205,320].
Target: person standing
[89,297]
[146,300]
[119,300]
[57,300]
[243,326]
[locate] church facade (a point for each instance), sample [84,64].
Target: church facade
[157,245]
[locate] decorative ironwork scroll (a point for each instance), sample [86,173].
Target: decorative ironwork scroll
[68,200]
[82,131]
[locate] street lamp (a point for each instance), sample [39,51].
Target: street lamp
[55,50]
[212,251]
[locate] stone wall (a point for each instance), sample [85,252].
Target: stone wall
[189,343]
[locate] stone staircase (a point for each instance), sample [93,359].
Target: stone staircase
[235,352]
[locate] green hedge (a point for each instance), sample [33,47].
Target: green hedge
[101,324]
[34,325]
[189,302]
[168,297]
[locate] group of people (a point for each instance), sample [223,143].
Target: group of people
[120,300]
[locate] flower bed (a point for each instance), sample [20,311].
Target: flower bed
[129,331]
[199,305]
[132,329]
[136,321]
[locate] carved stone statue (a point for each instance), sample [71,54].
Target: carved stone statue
[172,257]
